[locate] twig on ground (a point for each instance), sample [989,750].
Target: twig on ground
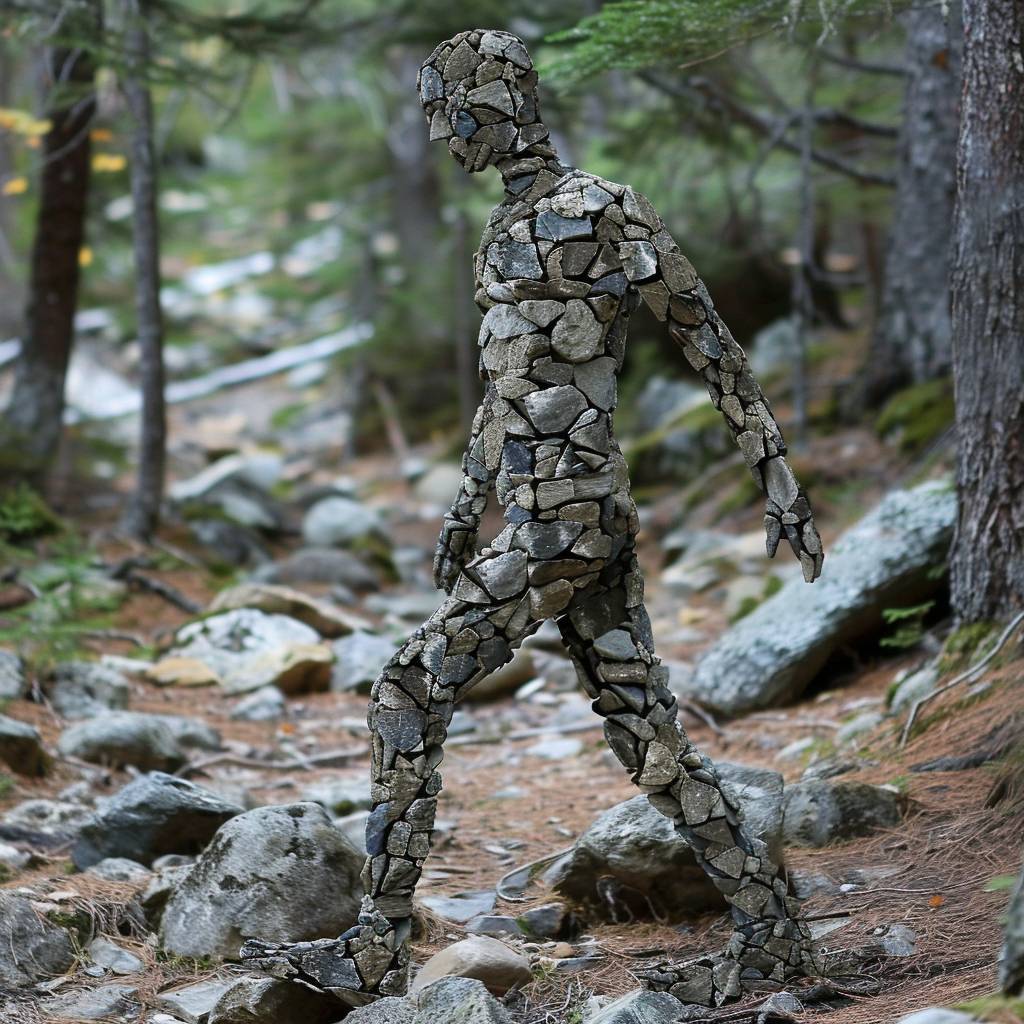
[962,678]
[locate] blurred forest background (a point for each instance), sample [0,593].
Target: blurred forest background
[238,363]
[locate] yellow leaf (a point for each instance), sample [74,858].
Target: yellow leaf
[36,128]
[102,162]
[15,186]
[101,135]
[936,901]
[84,256]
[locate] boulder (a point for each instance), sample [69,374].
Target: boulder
[151,816]
[640,1007]
[122,738]
[13,681]
[817,812]
[320,565]
[256,1000]
[282,873]
[338,521]
[1011,960]
[461,1000]
[21,747]
[631,861]
[884,561]
[481,957]
[100,1003]
[248,649]
[31,947]
[84,689]
[359,659]
[46,823]
[267,704]
[327,619]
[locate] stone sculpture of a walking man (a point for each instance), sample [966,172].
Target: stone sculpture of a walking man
[564,259]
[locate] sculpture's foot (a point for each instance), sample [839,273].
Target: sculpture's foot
[762,955]
[367,962]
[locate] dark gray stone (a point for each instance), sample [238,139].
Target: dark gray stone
[1011,959]
[84,689]
[640,1007]
[320,565]
[553,409]
[255,1000]
[31,947]
[121,738]
[153,815]
[283,872]
[100,1003]
[818,812]
[21,747]
[13,681]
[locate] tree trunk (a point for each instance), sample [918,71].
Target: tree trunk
[32,421]
[143,513]
[911,339]
[988,316]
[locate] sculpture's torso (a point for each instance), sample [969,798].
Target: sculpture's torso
[556,303]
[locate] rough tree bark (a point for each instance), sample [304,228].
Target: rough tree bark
[32,420]
[988,315]
[143,512]
[911,339]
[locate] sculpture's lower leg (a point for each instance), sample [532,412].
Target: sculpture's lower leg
[411,706]
[608,634]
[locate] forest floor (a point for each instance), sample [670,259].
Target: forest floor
[933,873]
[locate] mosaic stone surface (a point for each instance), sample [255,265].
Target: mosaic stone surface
[564,260]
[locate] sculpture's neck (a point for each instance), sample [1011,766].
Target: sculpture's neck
[519,172]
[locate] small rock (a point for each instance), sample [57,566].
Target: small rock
[193,1003]
[256,1000]
[12,858]
[796,750]
[896,940]
[353,828]
[13,680]
[937,1015]
[359,659]
[84,689]
[119,869]
[184,672]
[818,812]
[913,688]
[122,738]
[31,947]
[340,522]
[248,649]
[321,565]
[98,1003]
[851,731]
[47,822]
[274,599]
[493,924]
[463,907]
[112,957]
[21,747]
[152,815]
[506,679]
[440,484]
[550,921]
[640,1007]
[267,704]
[390,1010]
[555,748]
[192,732]
[458,1000]
[283,872]
[481,957]
[340,796]
[1011,959]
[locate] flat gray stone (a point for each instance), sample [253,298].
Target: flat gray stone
[463,907]
[338,521]
[819,811]
[112,957]
[640,1007]
[771,655]
[193,1003]
[261,1000]
[84,689]
[98,1003]
[551,410]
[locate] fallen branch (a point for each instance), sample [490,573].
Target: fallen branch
[329,759]
[962,678]
[531,870]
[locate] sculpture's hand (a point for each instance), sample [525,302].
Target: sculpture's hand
[455,547]
[798,526]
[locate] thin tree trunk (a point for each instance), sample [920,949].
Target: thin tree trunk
[988,316]
[911,339]
[143,513]
[32,420]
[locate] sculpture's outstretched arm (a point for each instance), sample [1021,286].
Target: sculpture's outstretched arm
[457,543]
[671,288]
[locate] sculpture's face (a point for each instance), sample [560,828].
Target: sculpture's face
[479,92]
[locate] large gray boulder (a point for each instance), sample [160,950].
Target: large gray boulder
[817,812]
[1011,960]
[84,689]
[631,861]
[248,649]
[151,816]
[256,1000]
[121,738]
[884,561]
[338,521]
[281,873]
[31,948]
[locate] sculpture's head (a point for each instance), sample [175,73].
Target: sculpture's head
[479,92]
